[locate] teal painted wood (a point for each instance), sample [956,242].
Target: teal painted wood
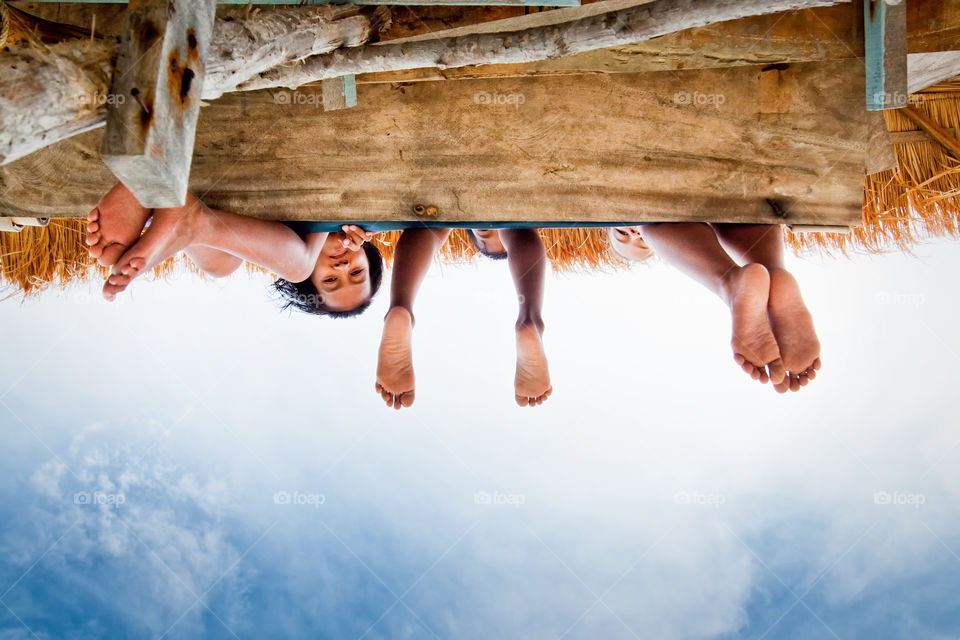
[350,90]
[319,226]
[459,3]
[883,69]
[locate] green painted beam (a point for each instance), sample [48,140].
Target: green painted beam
[885,59]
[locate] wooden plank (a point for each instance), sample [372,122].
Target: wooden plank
[885,30]
[7,225]
[159,73]
[339,93]
[880,153]
[813,228]
[927,69]
[592,148]
[935,131]
[915,137]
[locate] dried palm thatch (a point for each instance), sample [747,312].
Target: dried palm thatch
[918,200]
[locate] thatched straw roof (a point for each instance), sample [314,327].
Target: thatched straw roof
[918,201]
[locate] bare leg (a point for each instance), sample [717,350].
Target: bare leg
[214,262]
[271,245]
[791,320]
[414,253]
[693,248]
[527,259]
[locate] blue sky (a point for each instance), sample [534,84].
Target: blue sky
[658,494]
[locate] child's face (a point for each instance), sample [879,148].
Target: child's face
[342,276]
[629,244]
[489,239]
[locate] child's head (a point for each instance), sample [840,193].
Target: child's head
[487,242]
[629,244]
[342,284]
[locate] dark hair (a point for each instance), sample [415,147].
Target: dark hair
[476,245]
[303,296]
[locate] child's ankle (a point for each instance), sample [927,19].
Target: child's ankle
[400,310]
[526,322]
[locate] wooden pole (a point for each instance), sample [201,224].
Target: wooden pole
[935,131]
[595,32]
[159,76]
[65,90]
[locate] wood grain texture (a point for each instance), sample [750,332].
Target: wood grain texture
[62,96]
[619,27]
[927,69]
[160,71]
[624,147]
[817,34]
[339,93]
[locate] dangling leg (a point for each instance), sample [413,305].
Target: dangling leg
[411,261]
[269,244]
[789,317]
[693,248]
[527,258]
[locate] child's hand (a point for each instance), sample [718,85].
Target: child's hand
[353,237]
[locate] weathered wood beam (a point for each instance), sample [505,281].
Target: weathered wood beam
[927,69]
[616,147]
[596,32]
[913,137]
[880,153]
[528,21]
[819,34]
[885,28]
[148,143]
[65,90]
[934,130]
[243,48]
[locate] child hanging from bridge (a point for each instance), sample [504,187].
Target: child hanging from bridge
[335,274]
[773,335]
[523,249]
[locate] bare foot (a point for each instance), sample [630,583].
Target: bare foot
[793,327]
[395,380]
[532,384]
[114,225]
[171,231]
[754,345]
